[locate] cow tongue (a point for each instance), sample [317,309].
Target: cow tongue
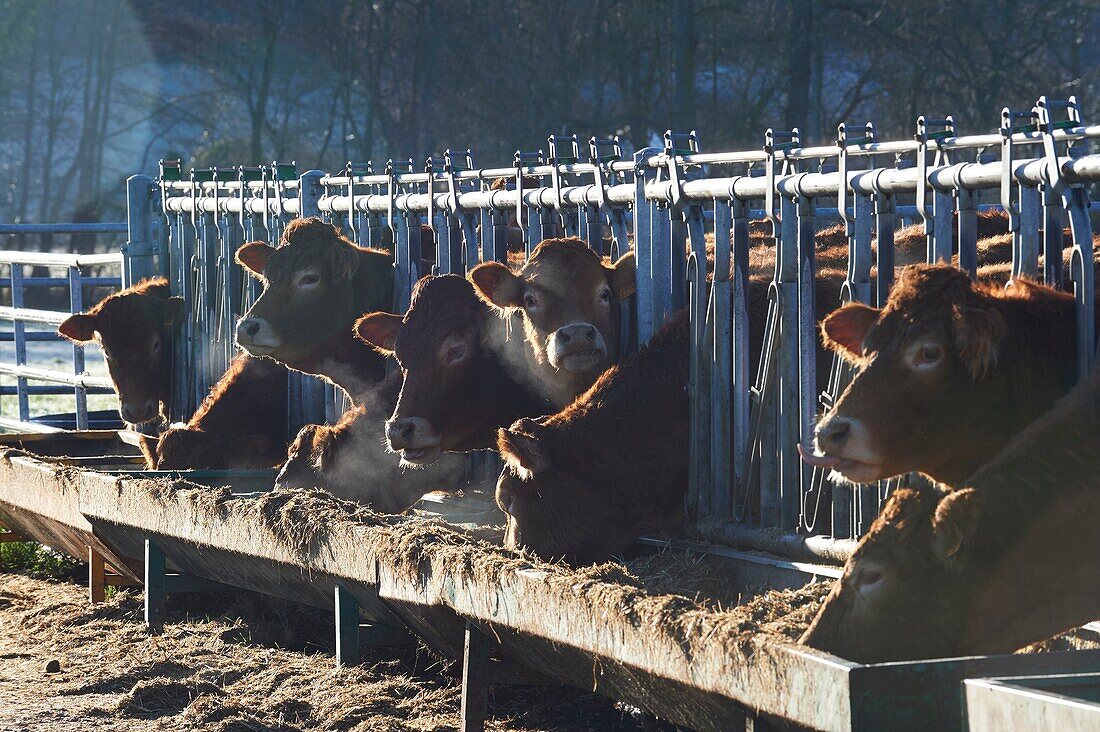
[818,461]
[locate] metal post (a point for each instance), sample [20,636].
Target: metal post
[97,577]
[347,628]
[140,246]
[20,334]
[76,304]
[155,588]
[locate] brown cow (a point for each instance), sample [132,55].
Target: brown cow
[1009,560]
[465,370]
[316,283]
[568,299]
[349,459]
[240,425]
[134,329]
[950,371]
[584,483]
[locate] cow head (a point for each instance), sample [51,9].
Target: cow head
[568,298]
[925,389]
[310,291]
[188,448]
[903,594]
[552,509]
[133,328]
[438,346]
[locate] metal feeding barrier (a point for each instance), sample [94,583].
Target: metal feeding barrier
[746,479]
[34,380]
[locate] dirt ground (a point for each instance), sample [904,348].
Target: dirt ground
[232,663]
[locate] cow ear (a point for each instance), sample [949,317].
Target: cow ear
[379,330]
[978,335]
[148,445]
[621,275]
[253,256]
[954,524]
[844,329]
[79,328]
[522,449]
[174,312]
[497,284]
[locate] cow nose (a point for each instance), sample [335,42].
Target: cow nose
[137,413]
[583,333]
[400,432]
[250,327]
[833,433]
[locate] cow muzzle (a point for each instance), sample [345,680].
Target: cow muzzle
[844,447]
[414,439]
[257,337]
[296,474]
[138,412]
[576,347]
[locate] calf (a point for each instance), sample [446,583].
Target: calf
[950,370]
[1011,559]
[240,425]
[584,483]
[316,283]
[349,460]
[568,301]
[134,329]
[464,370]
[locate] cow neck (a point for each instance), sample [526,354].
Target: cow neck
[346,362]
[502,337]
[1041,494]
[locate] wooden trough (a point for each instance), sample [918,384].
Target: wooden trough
[467,598]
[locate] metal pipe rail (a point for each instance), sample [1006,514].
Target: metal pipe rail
[84,381]
[89,228]
[746,471]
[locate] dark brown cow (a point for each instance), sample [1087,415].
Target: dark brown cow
[568,299]
[458,357]
[1010,560]
[316,283]
[349,459]
[950,371]
[134,329]
[240,425]
[584,483]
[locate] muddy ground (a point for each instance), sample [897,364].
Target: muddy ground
[232,663]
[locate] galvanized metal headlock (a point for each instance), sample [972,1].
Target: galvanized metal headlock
[777,143]
[677,145]
[453,164]
[351,172]
[521,161]
[935,130]
[564,150]
[1008,129]
[843,143]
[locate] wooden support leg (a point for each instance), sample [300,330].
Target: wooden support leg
[155,588]
[347,628]
[475,680]
[97,577]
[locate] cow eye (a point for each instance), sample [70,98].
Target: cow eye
[308,280]
[529,301]
[868,577]
[605,295]
[929,354]
[455,353]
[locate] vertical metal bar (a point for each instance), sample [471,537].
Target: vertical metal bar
[644,225]
[1052,237]
[884,236]
[403,272]
[673,253]
[723,455]
[940,243]
[475,680]
[788,402]
[20,330]
[701,487]
[76,305]
[347,628]
[968,231]
[741,377]
[155,588]
[138,251]
[1025,242]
